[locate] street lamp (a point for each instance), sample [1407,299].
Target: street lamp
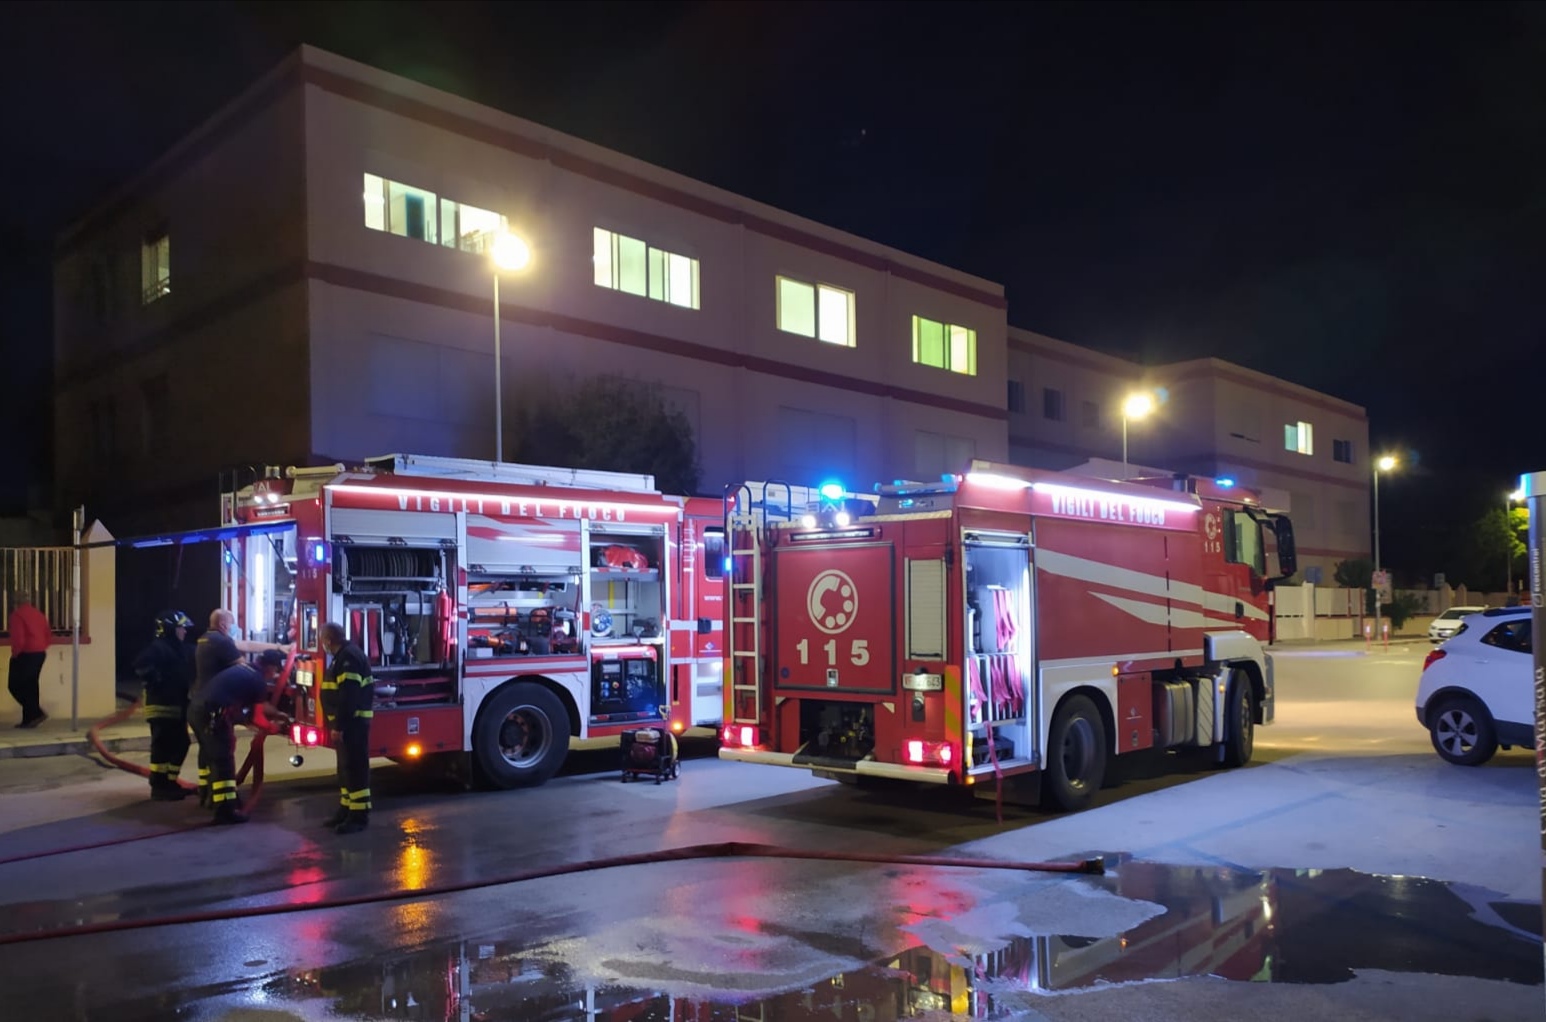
[1385,463]
[508,253]
[1509,500]
[1134,406]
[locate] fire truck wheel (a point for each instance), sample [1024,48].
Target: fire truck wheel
[1240,718]
[1076,756]
[522,736]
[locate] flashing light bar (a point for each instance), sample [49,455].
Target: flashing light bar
[831,490]
[1080,491]
[1225,481]
[996,481]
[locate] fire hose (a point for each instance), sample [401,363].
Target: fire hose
[252,765]
[719,850]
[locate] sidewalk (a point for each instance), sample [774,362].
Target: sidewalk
[53,737]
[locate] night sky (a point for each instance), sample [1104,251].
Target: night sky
[1352,197]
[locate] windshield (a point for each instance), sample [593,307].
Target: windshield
[1457,612]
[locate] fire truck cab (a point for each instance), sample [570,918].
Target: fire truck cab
[504,609]
[1002,625]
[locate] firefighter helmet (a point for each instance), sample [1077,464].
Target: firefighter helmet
[168,621]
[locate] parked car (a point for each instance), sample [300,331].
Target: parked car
[1477,691]
[1448,623]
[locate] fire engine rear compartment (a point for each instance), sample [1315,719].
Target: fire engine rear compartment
[902,688]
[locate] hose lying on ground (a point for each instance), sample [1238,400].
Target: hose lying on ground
[719,850]
[253,765]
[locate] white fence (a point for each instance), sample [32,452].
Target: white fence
[1317,612]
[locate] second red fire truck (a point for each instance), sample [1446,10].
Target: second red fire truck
[1006,628]
[505,609]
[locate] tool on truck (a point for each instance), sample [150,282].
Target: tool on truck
[505,609]
[1005,629]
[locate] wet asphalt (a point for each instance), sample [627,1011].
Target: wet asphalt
[1347,874]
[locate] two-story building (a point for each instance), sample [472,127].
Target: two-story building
[1307,451]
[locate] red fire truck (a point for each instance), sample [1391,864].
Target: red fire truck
[505,609]
[1006,625]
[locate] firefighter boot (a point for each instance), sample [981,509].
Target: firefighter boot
[356,821]
[164,788]
[340,814]
[228,813]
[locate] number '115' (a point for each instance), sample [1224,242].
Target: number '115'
[858,651]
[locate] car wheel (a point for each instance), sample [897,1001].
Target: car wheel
[1462,731]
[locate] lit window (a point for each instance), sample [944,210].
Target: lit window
[467,227]
[627,264]
[156,268]
[816,310]
[944,346]
[796,307]
[1300,437]
[410,212]
[375,203]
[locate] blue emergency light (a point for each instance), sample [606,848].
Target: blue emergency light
[1225,481]
[831,490]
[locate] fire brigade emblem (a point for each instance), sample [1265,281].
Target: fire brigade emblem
[833,601]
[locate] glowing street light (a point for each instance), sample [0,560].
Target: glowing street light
[1385,463]
[508,253]
[1135,406]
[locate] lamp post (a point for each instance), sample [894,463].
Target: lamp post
[1509,500]
[1135,406]
[1383,464]
[508,253]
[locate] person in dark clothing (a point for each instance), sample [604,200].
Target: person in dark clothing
[166,668]
[348,698]
[223,702]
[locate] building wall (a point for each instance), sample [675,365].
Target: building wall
[1087,387]
[1225,420]
[768,402]
[153,399]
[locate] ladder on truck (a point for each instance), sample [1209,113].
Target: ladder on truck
[748,510]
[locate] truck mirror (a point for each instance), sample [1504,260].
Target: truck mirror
[1288,559]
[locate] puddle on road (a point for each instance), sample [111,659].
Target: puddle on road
[1279,926]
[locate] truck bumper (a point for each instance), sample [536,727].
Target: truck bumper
[862,768]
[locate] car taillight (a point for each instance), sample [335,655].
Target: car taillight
[1433,657]
[740,734]
[930,752]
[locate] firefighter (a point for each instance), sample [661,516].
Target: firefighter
[223,702]
[348,695]
[166,668]
[216,650]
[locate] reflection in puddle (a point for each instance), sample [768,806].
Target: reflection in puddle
[1281,926]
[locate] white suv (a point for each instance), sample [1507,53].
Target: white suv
[1448,623]
[1477,690]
